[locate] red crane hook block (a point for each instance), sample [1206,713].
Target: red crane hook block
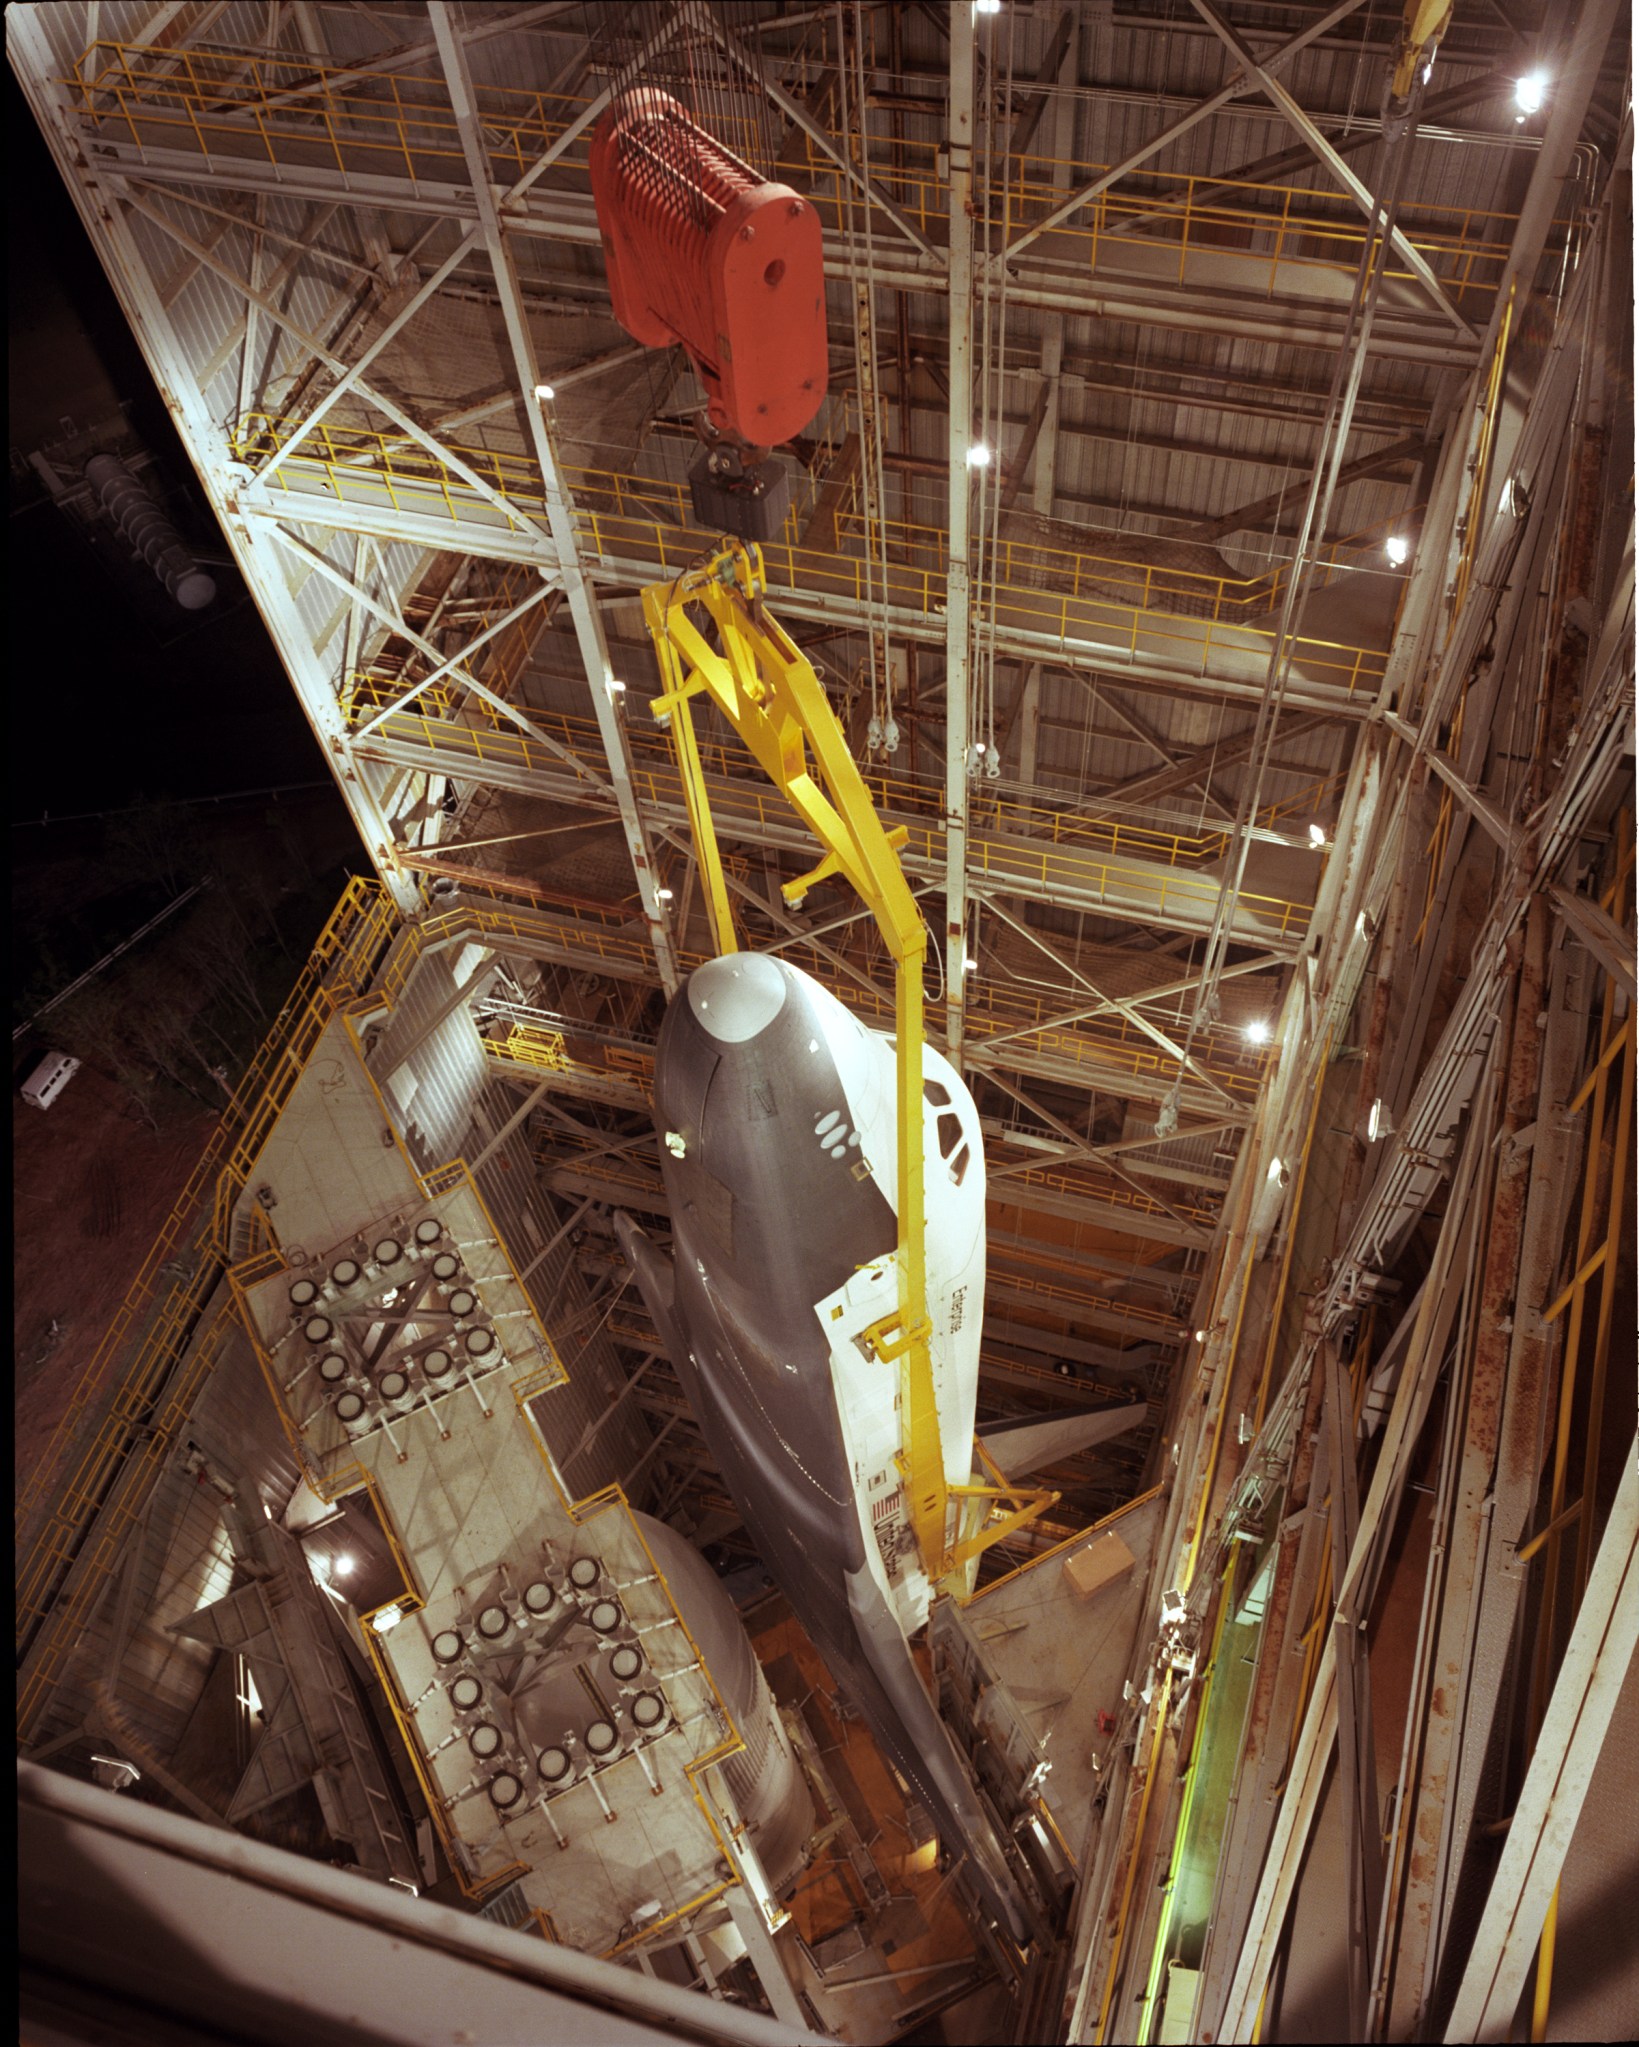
[700,250]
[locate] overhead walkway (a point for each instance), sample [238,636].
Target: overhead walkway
[1103,867]
[1088,1047]
[1170,628]
[1234,255]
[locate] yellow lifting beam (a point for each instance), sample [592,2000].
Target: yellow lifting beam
[766,688]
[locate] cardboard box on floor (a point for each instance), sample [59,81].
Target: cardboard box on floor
[1087,1571]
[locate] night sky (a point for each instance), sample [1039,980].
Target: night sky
[117,693]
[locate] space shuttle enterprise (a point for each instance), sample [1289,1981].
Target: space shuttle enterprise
[775,1110]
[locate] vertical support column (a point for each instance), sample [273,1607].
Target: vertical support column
[1062,149]
[1045,484]
[765,1958]
[958,635]
[1030,725]
[1550,1803]
[1357,1765]
[1429,1819]
[560,520]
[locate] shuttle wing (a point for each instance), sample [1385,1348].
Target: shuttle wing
[655,1281]
[1025,1444]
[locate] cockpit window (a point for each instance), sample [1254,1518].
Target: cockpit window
[937,1093]
[949,1127]
[958,1165]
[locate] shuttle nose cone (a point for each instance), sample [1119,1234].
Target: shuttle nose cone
[737,996]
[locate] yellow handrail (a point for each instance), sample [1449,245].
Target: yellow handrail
[259,103]
[1131,606]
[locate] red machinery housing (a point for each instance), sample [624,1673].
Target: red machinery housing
[700,250]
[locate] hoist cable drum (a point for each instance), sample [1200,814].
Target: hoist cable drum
[701,250]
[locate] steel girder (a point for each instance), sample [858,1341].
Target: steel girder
[627,571]
[1550,1803]
[959,499]
[1046,286]
[1173,899]
[581,595]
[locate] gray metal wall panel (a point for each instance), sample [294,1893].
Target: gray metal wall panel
[445,1061]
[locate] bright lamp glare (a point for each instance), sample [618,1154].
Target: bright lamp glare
[1257,1031]
[1398,549]
[978,456]
[388,1619]
[1317,835]
[1530,91]
[545,391]
[987,6]
[342,1566]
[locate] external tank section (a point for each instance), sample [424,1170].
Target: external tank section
[766,1780]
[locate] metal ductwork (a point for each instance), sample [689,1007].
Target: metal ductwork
[150,534]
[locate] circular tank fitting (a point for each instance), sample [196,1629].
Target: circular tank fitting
[428,1230]
[505,1790]
[349,1409]
[493,1623]
[332,1368]
[648,1710]
[303,1293]
[466,1693]
[447,1646]
[584,1573]
[601,1738]
[463,1301]
[554,1765]
[485,1740]
[538,1597]
[625,1663]
[388,1251]
[437,1364]
[479,1342]
[317,1329]
[605,1616]
[446,1265]
[393,1385]
[346,1272]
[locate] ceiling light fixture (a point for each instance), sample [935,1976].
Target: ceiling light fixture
[388,1619]
[1529,93]
[545,391]
[1398,549]
[1257,1031]
[663,895]
[987,6]
[1317,835]
[978,456]
[342,1566]
[1379,1123]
